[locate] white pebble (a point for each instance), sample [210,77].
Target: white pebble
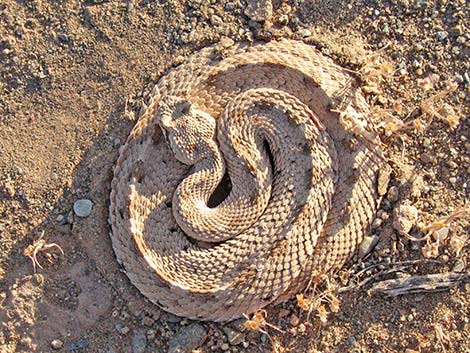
[82,208]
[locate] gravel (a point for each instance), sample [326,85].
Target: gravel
[80,344]
[187,339]
[234,337]
[393,194]
[427,158]
[139,342]
[148,321]
[352,340]
[259,10]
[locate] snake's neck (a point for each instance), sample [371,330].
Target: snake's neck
[222,222]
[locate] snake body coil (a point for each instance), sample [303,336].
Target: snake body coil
[302,187]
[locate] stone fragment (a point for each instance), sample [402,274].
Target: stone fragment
[367,245]
[259,10]
[57,344]
[404,217]
[82,208]
[234,337]
[139,342]
[187,339]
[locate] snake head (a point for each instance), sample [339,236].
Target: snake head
[188,130]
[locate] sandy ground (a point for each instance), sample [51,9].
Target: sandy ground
[73,77]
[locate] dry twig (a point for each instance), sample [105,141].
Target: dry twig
[417,284]
[40,245]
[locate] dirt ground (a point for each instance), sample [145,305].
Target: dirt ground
[73,77]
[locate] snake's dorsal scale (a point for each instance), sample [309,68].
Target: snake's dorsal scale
[323,192]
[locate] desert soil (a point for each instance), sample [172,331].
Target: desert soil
[73,77]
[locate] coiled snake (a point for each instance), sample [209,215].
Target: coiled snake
[300,188]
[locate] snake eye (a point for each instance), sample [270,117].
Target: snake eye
[182,108]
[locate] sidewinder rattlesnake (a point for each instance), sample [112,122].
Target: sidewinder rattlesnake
[303,187]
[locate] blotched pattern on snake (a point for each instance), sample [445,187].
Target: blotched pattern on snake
[300,189]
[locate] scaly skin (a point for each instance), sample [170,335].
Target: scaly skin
[281,224]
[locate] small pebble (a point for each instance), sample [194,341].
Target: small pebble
[393,194]
[187,339]
[57,344]
[352,340]
[441,35]
[81,343]
[83,207]
[466,77]
[444,258]
[283,313]
[259,10]
[148,321]
[294,320]
[459,266]
[427,158]
[139,342]
[216,20]
[151,334]
[63,38]
[304,32]
[452,150]
[367,245]
[458,78]
[70,218]
[226,42]
[404,217]
[377,223]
